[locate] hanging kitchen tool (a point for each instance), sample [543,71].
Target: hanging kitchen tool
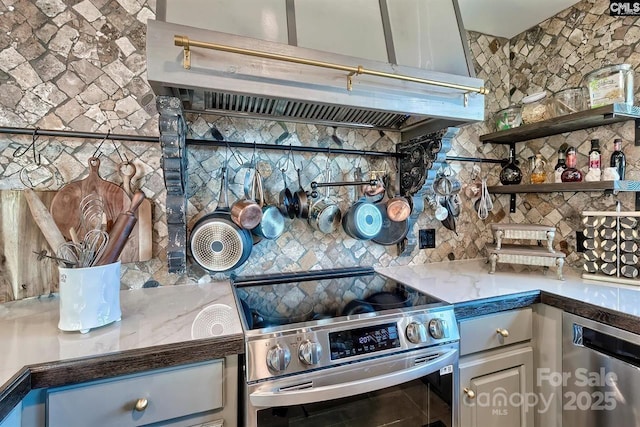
[286,199]
[144,227]
[245,212]
[450,220]
[300,199]
[120,231]
[363,220]
[398,207]
[325,215]
[65,207]
[392,232]
[218,244]
[272,224]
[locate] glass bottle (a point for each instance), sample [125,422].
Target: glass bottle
[571,174]
[511,173]
[560,166]
[594,155]
[538,173]
[618,159]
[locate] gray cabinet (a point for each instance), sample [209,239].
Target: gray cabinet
[496,370]
[14,418]
[190,395]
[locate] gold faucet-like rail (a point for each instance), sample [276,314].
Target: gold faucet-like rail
[187,44]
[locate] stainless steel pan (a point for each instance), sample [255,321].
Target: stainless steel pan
[325,215]
[272,224]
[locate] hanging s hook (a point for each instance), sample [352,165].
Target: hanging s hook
[21,151]
[100,145]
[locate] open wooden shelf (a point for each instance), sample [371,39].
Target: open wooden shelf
[566,186]
[582,120]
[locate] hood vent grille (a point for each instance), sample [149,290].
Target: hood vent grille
[274,108]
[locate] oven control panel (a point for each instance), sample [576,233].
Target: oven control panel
[289,351]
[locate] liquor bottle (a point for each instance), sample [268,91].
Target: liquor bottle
[511,173]
[571,174]
[594,155]
[618,159]
[560,166]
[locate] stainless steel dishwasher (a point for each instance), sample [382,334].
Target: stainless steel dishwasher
[601,374]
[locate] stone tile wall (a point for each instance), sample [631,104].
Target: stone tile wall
[80,65]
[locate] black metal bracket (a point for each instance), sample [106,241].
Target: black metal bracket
[637,133]
[638,201]
[512,202]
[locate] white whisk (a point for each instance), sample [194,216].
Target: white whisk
[485,204]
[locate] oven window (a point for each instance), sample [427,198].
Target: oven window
[412,404]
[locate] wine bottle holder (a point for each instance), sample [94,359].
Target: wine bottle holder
[612,246]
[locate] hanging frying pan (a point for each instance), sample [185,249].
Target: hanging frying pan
[217,243]
[392,232]
[301,201]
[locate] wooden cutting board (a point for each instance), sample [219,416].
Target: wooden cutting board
[66,212]
[141,235]
[21,274]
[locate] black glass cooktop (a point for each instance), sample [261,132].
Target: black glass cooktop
[283,299]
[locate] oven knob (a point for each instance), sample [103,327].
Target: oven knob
[278,358]
[438,328]
[310,352]
[416,332]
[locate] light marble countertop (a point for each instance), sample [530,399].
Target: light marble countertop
[465,281]
[151,317]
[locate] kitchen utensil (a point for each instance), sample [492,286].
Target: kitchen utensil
[245,212]
[485,204]
[44,219]
[272,224]
[300,200]
[91,213]
[65,207]
[20,236]
[63,262]
[363,220]
[398,209]
[450,221]
[218,244]
[441,211]
[286,200]
[120,231]
[324,215]
[392,232]
[144,227]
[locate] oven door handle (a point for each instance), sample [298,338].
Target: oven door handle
[267,399]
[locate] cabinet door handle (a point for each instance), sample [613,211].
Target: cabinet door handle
[503,332]
[141,404]
[470,393]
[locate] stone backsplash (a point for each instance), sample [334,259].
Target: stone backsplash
[80,65]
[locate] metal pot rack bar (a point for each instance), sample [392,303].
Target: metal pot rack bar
[186,43]
[193,142]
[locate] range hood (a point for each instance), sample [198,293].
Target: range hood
[229,74]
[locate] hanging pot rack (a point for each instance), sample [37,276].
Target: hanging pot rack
[193,142]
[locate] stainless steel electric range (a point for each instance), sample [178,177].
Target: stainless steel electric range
[345,347]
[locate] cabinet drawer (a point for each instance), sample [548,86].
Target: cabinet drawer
[170,393]
[484,332]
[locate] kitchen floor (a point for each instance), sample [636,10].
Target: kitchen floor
[406,405]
